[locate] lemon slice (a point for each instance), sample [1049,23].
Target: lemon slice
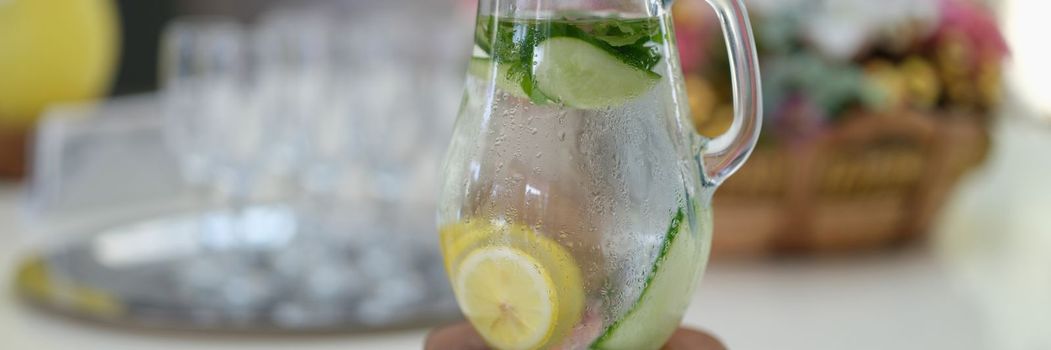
[509,298]
[519,289]
[457,239]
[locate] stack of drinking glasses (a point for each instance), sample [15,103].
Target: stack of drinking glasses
[345,114]
[310,139]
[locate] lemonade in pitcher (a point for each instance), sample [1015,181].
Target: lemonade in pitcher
[575,207]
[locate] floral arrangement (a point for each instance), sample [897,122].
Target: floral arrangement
[824,59]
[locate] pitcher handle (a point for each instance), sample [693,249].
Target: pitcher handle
[725,154]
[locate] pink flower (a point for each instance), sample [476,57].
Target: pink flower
[695,29]
[691,49]
[976,24]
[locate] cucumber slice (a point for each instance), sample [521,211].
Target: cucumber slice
[658,311]
[482,68]
[582,75]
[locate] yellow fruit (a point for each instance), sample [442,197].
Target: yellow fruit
[509,297]
[53,51]
[457,238]
[519,289]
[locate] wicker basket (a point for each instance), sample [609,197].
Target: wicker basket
[13,147]
[875,180]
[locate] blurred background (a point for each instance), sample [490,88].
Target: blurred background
[252,174]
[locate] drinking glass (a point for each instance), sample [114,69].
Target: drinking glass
[201,71]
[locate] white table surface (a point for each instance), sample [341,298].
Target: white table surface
[953,293]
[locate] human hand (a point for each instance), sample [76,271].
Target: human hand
[463,337]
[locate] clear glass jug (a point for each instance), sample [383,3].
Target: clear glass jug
[575,209]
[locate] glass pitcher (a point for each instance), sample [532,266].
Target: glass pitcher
[575,209]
